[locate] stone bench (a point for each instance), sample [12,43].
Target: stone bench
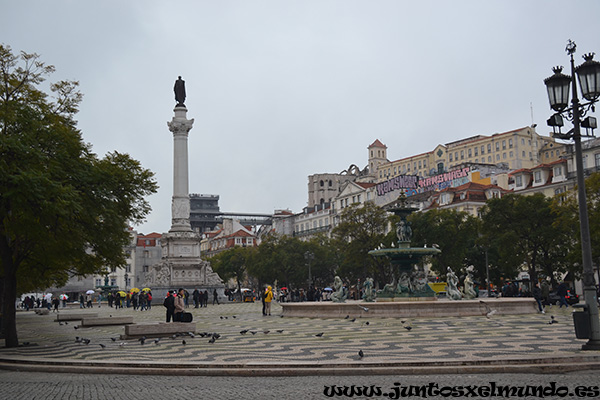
[158,329]
[74,316]
[95,321]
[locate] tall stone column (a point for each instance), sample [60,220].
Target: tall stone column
[180,126]
[181,264]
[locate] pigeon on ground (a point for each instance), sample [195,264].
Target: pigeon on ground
[114,339]
[77,339]
[353,320]
[365,309]
[101,345]
[347,316]
[253,332]
[244,331]
[156,340]
[361,354]
[75,327]
[319,334]
[86,341]
[279,331]
[266,332]
[408,328]
[552,320]
[183,341]
[212,340]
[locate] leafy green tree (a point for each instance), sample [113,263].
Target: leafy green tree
[566,207]
[362,229]
[523,231]
[232,264]
[455,233]
[63,211]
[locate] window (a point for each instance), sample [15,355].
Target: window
[98,281]
[497,157]
[145,268]
[510,154]
[547,154]
[420,165]
[489,150]
[504,145]
[489,159]
[504,156]
[523,142]
[482,149]
[321,183]
[519,180]
[558,171]
[476,151]
[538,176]
[597,159]
[358,198]
[450,154]
[523,154]
[510,143]
[456,156]
[249,241]
[462,154]
[497,146]
[469,153]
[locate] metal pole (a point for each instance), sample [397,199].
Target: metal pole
[589,290]
[487,273]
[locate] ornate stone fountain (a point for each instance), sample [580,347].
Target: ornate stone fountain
[408,281]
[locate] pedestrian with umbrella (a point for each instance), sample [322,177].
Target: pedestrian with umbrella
[64,299]
[88,298]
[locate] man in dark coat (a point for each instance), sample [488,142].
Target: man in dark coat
[169,303]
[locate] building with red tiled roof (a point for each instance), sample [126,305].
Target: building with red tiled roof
[469,197]
[227,236]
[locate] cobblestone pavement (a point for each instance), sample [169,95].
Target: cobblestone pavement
[276,341]
[50,386]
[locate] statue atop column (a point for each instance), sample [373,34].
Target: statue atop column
[179,90]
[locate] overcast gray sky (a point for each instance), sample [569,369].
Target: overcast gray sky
[280,90]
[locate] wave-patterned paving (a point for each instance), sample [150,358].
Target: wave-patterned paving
[274,340]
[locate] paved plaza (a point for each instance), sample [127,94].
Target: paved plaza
[290,346]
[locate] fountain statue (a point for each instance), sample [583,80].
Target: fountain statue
[452,291]
[468,290]
[339,295]
[369,293]
[410,283]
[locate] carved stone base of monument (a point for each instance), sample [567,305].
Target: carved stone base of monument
[182,267]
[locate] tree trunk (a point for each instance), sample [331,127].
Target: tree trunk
[9,295]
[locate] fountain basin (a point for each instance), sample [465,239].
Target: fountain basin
[412,309]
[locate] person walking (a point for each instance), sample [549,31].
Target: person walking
[169,304]
[537,295]
[545,288]
[268,299]
[215,297]
[196,296]
[179,305]
[561,292]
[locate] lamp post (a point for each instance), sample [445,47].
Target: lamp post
[308,256]
[558,86]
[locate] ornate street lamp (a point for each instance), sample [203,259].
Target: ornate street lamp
[558,94]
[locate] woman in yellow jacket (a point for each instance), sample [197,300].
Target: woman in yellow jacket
[268,299]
